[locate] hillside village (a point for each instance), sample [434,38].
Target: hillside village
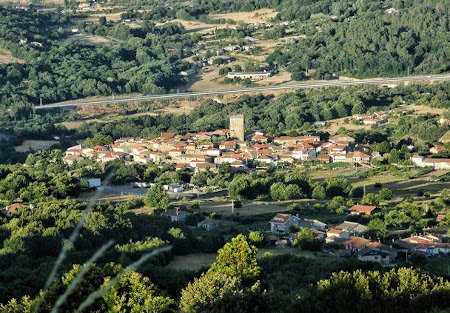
[243,149]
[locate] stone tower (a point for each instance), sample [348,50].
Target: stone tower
[237,126]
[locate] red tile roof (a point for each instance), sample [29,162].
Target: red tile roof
[280,218]
[363,209]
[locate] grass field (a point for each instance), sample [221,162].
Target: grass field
[35,145]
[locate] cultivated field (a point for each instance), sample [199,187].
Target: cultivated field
[35,145]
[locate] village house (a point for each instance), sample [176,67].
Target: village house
[354,229]
[208,224]
[438,149]
[323,158]
[12,208]
[249,75]
[429,244]
[436,163]
[374,121]
[110,156]
[312,224]
[375,255]
[360,157]
[281,223]
[176,215]
[336,235]
[75,150]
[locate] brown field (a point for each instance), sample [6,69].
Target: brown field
[196,26]
[89,39]
[422,109]
[6,57]
[35,145]
[255,17]
[114,17]
[281,78]
[249,208]
[210,80]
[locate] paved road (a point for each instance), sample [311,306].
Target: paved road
[307,85]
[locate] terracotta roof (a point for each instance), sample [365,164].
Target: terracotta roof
[357,242]
[258,137]
[359,154]
[365,209]
[13,207]
[335,231]
[167,135]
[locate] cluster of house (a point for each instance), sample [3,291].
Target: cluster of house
[376,118]
[349,237]
[177,215]
[436,163]
[206,150]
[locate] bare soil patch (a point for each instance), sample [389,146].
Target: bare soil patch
[89,39]
[7,58]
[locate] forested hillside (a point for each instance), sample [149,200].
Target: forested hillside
[370,39]
[360,38]
[57,69]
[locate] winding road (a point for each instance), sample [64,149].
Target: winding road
[306,85]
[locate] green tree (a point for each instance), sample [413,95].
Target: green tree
[98,140]
[277,191]
[377,228]
[230,284]
[256,238]
[371,199]
[319,192]
[157,197]
[385,194]
[133,293]
[237,258]
[306,239]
